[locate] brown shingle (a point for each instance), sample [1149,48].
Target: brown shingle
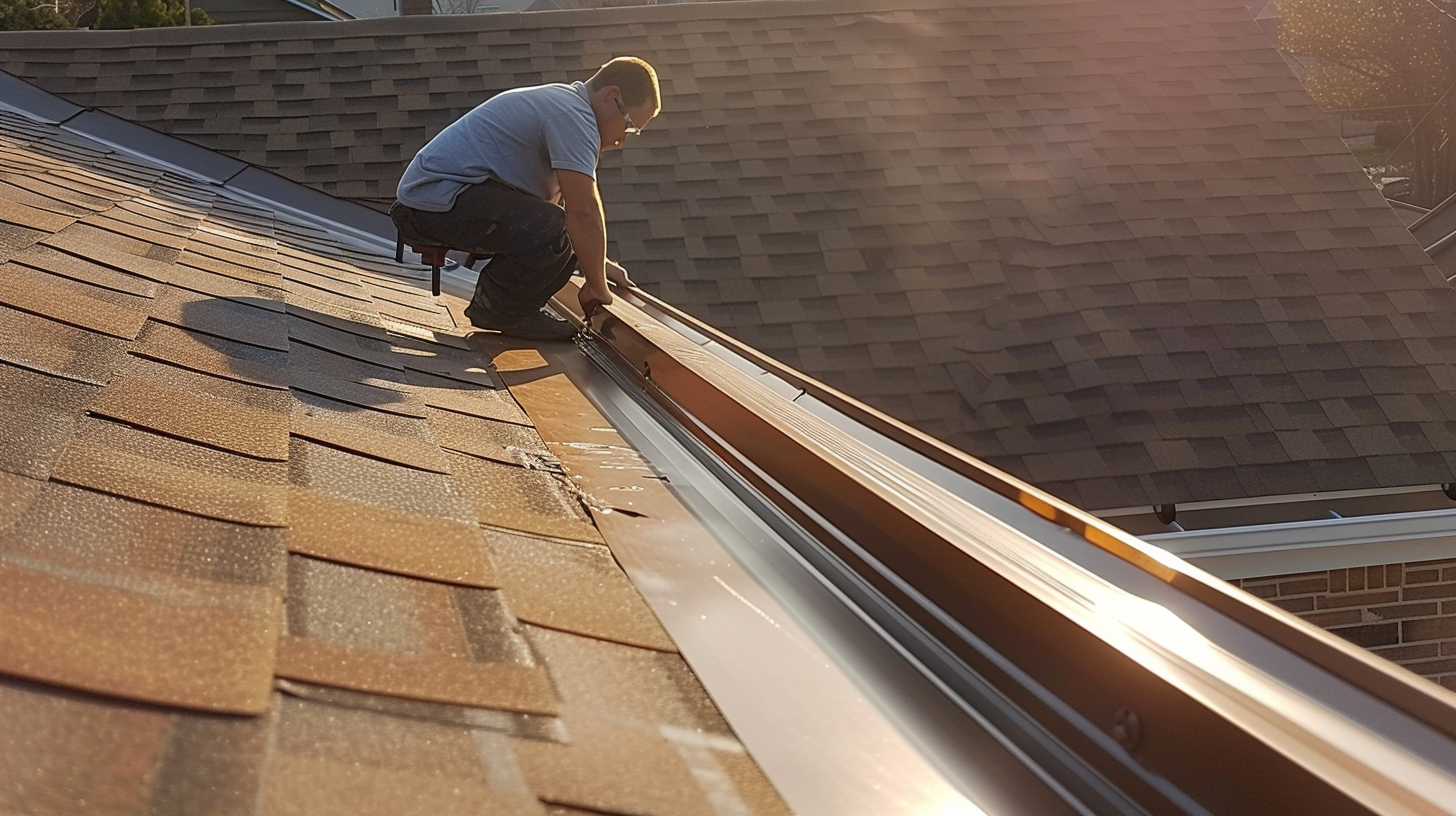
[377,397]
[334,283]
[342,343]
[366,536]
[78,304]
[443,355]
[532,496]
[21,195]
[329,759]
[453,395]
[68,266]
[55,348]
[390,634]
[58,746]
[647,772]
[188,643]
[211,355]
[214,250]
[70,527]
[22,215]
[365,323]
[223,423]
[575,588]
[39,417]
[391,437]
[241,321]
[231,270]
[137,227]
[488,439]
[117,459]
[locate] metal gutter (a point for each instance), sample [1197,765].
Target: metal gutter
[1145,521]
[1281,549]
[1148,670]
[951,469]
[961,474]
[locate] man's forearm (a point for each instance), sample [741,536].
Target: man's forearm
[588,233]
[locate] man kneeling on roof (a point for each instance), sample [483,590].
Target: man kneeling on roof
[515,179]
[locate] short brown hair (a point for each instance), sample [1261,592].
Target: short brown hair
[635,77]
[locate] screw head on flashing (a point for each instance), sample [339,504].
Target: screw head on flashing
[1127,729]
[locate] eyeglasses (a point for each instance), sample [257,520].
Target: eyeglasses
[632,129]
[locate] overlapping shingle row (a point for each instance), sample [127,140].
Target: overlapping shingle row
[274,538]
[1107,245]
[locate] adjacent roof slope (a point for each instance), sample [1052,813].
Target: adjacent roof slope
[248,469]
[1108,245]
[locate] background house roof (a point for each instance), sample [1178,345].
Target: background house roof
[230,12]
[248,469]
[1111,247]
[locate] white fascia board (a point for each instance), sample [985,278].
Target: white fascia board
[1309,546]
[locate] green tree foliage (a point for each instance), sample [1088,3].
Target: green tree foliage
[23,15]
[1388,61]
[147,14]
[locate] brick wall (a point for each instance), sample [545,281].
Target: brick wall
[1405,613]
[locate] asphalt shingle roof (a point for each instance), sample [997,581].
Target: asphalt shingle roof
[1111,247]
[275,538]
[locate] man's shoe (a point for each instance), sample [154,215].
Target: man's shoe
[482,316]
[537,325]
[540,326]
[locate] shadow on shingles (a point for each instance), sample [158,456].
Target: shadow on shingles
[354,363]
[226,316]
[517,361]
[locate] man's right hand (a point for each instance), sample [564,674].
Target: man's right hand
[592,298]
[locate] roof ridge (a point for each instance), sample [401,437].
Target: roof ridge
[494,21]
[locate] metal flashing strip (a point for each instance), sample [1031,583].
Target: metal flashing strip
[183,157]
[364,226]
[1307,546]
[840,720]
[1147,669]
[24,98]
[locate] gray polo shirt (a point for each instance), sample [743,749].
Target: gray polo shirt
[520,137]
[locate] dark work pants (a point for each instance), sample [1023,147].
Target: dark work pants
[525,237]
